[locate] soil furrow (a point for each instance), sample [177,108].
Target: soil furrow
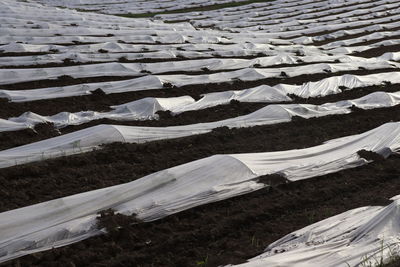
[63,80]
[377,51]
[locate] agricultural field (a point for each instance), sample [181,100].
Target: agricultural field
[200,133]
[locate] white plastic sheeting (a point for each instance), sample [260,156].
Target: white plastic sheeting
[146,108]
[123,7]
[90,52]
[166,53]
[300,28]
[47,22]
[9,125]
[158,81]
[262,93]
[45,26]
[354,49]
[20,48]
[18,13]
[300,22]
[70,219]
[9,76]
[143,109]
[391,56]
[40,24]
[91,138]
[143,83]
[290,13]
[298,19]
[371,32]
[359,237]
[359,40]
[133,36]
[67,220]
[36,24]
[337,84]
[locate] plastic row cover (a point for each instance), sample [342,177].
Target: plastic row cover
[91,138]
[146,108]
[150,82]
[67,220]
[359,237]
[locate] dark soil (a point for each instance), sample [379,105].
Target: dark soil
[370,155]
[21,54]
[393,38]
[230,231]
[23,137]
[102,103]
[378,51]
[395,262]
[63,80]
[119,163]
[66,63]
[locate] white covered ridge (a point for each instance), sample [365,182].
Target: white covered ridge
[10,76]
[287,26]
[143,109]
[146,108]
[70,219]
[20,48]
[91,138]
[262,93]
[338,84]
[326,86]
[141,7]
[49,25]
[274,55]
[361,48]
[395,56]
[359,237]
[9,125]
[142,83]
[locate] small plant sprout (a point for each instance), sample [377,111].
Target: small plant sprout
[203,262]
